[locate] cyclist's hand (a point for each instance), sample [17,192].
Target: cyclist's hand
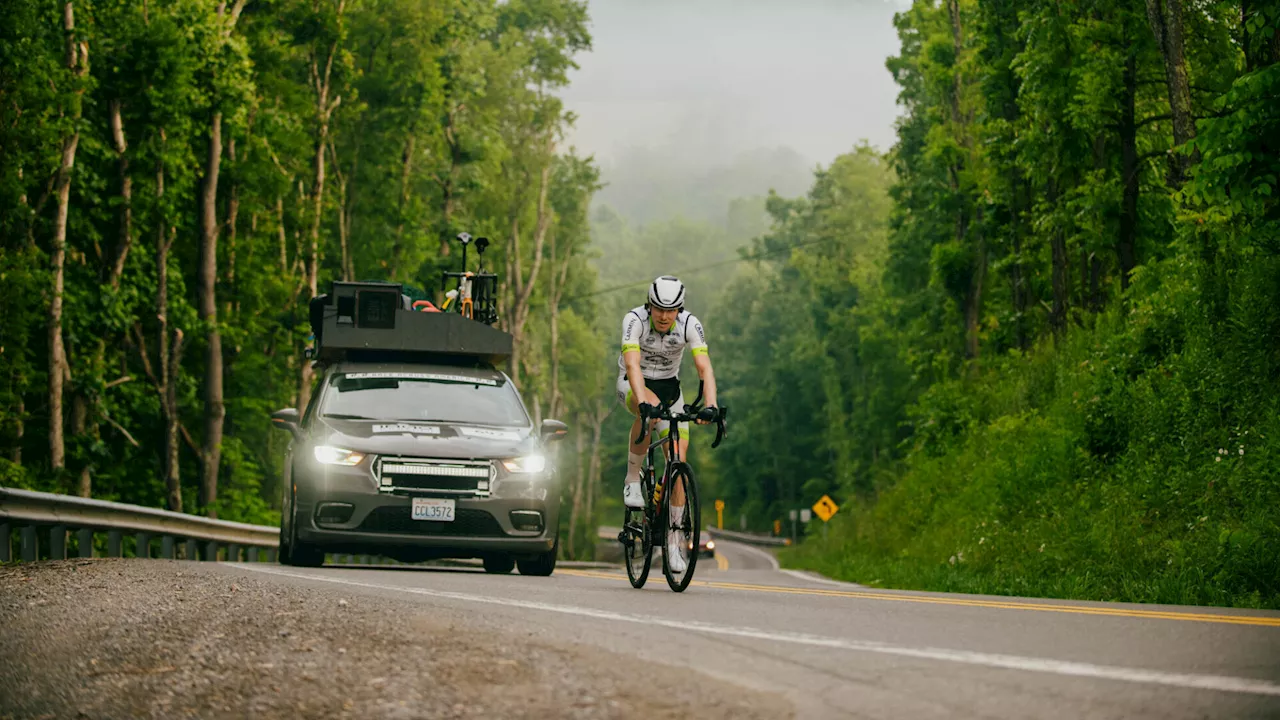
[646,410]
[708,415]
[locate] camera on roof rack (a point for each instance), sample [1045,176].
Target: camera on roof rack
[475,294]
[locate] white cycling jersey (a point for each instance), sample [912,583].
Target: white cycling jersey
[660,353]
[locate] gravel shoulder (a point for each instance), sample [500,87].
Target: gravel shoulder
[109,638]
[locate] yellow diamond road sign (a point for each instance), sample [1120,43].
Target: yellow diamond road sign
[825,508]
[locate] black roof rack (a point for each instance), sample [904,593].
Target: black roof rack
[376,321]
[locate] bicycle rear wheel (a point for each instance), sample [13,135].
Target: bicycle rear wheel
[686,530]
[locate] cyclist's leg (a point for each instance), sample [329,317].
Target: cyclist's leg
[628,400]
[632,496]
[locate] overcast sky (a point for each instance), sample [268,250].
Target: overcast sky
[720,77]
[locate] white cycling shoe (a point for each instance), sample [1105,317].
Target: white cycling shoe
[632,496]
[675,558]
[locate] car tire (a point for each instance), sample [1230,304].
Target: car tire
[542,564]
[500,564]
[296,553]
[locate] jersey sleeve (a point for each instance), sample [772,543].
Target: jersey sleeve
[695,337]
[632,326]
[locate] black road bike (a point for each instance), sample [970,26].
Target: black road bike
[644,528]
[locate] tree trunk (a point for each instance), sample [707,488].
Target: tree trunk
[1126,243]
[79,414]
[345,208]
[957,41]
[1017,269]
[580,445]
[207,279]
[207,301]
[233,216]
[449,186]
[1058,248]
[593,473]
[973,300]
[169,357]
[524,290]
[126,198]
[77,62]
[324,112]
[406,171]
[1165,17]
[559,276]
[283,237]
[20,429]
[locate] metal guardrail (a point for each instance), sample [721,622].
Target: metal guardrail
[749,538]
[180,535]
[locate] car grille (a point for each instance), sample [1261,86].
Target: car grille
[469,523]
[465,478]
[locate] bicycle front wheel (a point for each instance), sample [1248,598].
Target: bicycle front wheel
[637,546]
[685,531]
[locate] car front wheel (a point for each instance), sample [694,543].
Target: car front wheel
[540,565]
[296,553]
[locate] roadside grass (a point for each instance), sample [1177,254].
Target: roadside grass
[1136,461]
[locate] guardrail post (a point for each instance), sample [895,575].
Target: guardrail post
[143,549]
[211,551]
[30,544]
[192,551]
[6,548]
[58,542]
[115,543]
[251,554]
[84,542]
[166,547]
[271,555]
[233,552]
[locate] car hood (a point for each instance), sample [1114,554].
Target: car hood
[425,439]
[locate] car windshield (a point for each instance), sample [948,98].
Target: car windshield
[432,397]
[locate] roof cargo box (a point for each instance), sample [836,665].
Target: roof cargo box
[368,321]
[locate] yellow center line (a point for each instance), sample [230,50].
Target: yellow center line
[722,562]
[969,602]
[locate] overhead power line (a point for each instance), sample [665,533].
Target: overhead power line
[702,268]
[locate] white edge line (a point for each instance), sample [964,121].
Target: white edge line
[1219,683]
[815,577]
[773,561]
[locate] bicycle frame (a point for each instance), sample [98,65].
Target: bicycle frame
[649,528]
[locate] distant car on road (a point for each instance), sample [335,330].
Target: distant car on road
[706,545]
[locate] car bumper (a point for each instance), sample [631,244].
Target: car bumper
[380,522]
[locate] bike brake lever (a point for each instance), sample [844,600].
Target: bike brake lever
[722,431]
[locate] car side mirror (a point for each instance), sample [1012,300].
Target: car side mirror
[287,419]
[553,430]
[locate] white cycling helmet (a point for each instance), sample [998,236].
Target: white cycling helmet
[667,293]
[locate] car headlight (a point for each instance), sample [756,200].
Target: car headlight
[711,544]
[327,455]
[526,464]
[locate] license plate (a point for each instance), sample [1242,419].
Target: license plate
[433,510]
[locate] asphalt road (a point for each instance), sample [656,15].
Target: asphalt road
[840,650]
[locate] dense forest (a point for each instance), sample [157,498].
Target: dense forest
[1035,349]
[179,178]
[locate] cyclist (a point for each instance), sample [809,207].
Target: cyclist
[654,338]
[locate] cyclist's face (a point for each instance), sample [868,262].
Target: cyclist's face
[663,319]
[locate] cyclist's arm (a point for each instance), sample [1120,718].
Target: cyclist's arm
[696,337]
[702,361]
[632,328]
[631,358]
